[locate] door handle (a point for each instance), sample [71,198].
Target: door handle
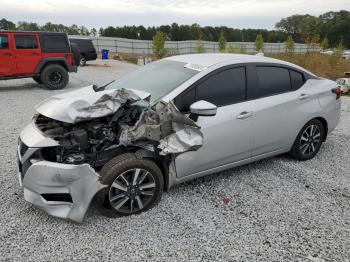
[303,96]
[7,54]
[35,54]
[244,115]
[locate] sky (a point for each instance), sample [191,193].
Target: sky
[231,13]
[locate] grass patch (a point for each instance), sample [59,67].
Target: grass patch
[319,64]
[130,59]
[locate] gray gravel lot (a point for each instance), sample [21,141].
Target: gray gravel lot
[278,209]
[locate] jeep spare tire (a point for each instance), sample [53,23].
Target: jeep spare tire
[54,77]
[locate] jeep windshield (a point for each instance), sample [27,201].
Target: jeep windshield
[157,78]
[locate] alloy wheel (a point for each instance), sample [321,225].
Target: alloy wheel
[310,140]
[55,78]
[132,191]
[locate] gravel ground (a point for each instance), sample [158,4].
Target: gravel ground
[272,210]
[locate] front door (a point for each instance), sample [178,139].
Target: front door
[28,54]
[228,136]
[7,59]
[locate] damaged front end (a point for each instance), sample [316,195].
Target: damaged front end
[77,133]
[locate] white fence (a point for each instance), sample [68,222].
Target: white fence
[144,47]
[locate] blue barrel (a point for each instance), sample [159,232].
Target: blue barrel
[104,53]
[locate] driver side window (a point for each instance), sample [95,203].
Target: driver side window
[222,88]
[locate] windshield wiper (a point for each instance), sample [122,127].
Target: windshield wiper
[101,88]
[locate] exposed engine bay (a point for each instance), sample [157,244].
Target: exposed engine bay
[161,129]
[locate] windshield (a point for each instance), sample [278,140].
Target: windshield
[157,78]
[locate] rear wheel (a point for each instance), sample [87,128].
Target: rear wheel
[309,141]
[37,79]
[133,185]
[54,77]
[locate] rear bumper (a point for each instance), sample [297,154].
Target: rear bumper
[61,190]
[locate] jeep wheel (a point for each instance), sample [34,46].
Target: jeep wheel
[134,185]
[54,77]
[82,60]
[37,79]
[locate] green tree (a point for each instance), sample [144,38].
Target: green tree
[337,54]
[324,43]
[222,42]
[7,25]
[158,44]
[83,30]
[259,43]
[28,26]
[289,44]
[315,41]
[196,31]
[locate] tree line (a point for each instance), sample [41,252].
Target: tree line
[331,26]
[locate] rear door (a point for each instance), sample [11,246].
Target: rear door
[280,108]
[7,59]
[228,136]
[28,53]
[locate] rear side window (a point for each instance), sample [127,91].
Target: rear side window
[26,42]
[272,80]
[223,88]
[82,42]
[4,44]
[54,43]
[297,79]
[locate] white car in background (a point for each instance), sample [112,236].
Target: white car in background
[344,83]
[346,54]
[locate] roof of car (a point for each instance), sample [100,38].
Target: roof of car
[208,59]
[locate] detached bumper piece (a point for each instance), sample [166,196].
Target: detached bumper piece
[61,190]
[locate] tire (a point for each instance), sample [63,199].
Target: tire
[37,79]
[306,147]
[123,196]
[54,77]
[82,61]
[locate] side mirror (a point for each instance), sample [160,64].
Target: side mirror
[203,108]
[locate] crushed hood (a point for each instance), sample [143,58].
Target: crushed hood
[160,127]
[85,103]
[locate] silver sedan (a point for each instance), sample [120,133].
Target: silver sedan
[171,121]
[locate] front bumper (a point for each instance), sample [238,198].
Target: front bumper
[62,190]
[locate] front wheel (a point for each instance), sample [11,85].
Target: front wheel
[309,141]
[54,77]
[133,185]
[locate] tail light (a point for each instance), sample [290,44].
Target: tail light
[337,91]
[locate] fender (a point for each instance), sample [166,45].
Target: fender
[60,60]
[162,162]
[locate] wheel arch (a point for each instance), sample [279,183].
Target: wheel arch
[49,61]
[325,126]
[161,162]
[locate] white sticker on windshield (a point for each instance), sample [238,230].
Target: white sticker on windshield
[195,67]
